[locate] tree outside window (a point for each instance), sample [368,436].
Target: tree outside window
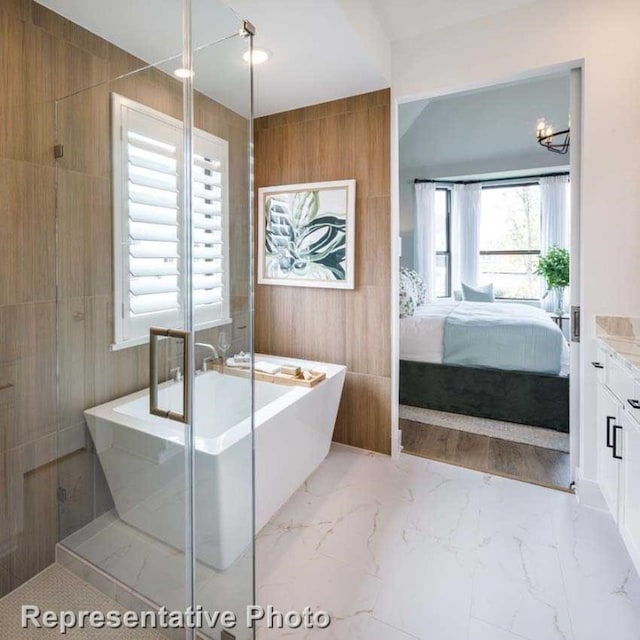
[510,240]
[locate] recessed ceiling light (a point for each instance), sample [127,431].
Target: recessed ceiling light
[183,73]
[259,56]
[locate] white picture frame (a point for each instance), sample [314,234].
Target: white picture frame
[306,235]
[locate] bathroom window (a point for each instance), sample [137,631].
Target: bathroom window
[150,279]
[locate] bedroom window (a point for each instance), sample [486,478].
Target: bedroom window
[443,243]
[510,240]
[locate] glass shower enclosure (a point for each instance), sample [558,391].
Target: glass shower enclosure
[154,275]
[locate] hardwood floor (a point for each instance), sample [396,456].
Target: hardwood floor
[524,462]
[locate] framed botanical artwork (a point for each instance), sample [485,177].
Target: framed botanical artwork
[306,234]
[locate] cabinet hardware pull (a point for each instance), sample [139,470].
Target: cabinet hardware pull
[597,365]
[634,403]
[615,441]
[609,441]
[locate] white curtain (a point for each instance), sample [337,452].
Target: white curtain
[466,211]
[425,235]
[554,211]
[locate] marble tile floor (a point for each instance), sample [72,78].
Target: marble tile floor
[412,549]
[417,549]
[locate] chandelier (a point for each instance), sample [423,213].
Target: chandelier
[556,141]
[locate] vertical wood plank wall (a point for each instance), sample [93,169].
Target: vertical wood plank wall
[45,57]
[348,138]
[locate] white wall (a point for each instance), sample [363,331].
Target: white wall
[457,135]
[516,44]
[491,131]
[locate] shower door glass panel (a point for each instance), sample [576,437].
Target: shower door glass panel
[223,426]
[162,506]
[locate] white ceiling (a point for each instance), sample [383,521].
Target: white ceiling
[482,131]
[321,49]
[408,18]
[317,52]
[409,113]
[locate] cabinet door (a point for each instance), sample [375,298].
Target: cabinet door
[609,415]
[601,363]
[630,493]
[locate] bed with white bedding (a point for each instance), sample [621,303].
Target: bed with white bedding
[497,335]
[504,361]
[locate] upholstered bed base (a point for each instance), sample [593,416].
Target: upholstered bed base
[526,398]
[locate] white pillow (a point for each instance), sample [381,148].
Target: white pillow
[407,296]
[483,293]
[419,287]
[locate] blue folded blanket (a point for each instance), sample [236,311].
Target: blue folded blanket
[514,337]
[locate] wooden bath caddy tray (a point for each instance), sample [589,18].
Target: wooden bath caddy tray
[278,378]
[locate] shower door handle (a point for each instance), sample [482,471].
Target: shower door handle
[187,338]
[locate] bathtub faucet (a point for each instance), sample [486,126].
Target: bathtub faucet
[214,353]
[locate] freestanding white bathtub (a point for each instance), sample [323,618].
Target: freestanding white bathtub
[143,455]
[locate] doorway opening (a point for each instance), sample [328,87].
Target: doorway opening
[488,327]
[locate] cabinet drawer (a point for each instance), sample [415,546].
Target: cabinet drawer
[602,363]
[609,415]
[630,491]
[624,385]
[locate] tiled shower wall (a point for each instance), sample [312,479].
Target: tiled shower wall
[43,333]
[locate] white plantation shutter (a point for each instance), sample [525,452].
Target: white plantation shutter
[151,150]
[149,267]
[210,230]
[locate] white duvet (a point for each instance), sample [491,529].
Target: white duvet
[422,335]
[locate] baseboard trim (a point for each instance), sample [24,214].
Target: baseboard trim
[588,492]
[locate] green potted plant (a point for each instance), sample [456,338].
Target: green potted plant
[554,268]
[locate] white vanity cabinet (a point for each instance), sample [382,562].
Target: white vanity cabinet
[618,439]
[602,363]
[630,488]
[610,413]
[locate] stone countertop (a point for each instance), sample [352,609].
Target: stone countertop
[627,349]
[621,335]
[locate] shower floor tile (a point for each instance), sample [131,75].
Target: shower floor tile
[56,589]
[154,570]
